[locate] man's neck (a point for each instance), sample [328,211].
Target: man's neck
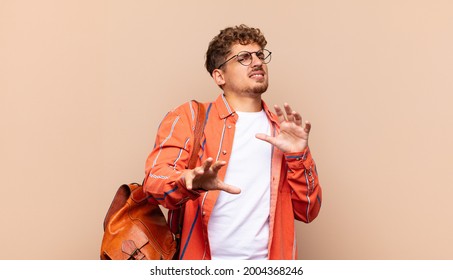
[245,103]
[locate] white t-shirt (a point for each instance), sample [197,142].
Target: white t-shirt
[239,224]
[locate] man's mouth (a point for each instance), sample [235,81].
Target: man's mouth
[257,74]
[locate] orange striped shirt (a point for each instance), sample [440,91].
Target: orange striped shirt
[295,190]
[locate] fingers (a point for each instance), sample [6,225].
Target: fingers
[217,166]
[229,188]
[188,178]
[279,113]
[205,175]
[207,164]
[307,127]
[266,138]
[191,175]
[297,118]
[289,112]
[288,115]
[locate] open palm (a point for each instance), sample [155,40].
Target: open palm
[293,136]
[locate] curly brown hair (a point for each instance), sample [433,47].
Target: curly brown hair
[220,45]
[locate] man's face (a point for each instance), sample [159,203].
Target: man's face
[248,80]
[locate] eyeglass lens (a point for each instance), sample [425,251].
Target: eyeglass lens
[245,57]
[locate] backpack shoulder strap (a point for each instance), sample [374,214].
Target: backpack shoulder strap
[198,134]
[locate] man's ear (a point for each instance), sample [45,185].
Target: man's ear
[218,77]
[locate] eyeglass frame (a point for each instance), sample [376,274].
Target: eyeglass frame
[251,55]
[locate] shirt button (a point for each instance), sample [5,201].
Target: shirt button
[229,126]
[224,152]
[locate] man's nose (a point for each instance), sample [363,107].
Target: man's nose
[256,61]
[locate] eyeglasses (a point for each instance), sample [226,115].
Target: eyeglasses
[245,58]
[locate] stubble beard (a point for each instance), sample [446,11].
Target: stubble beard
[251,91]
[258,89]
[261,88]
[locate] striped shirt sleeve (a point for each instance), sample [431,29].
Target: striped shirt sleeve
[169,157]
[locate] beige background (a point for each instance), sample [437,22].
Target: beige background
[84,85]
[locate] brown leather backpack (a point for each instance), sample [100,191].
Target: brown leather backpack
[135,227]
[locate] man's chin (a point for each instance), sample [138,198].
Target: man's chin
[260,89]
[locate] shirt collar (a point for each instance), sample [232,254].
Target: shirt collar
[225,110]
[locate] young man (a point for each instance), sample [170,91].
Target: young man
[255,174]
